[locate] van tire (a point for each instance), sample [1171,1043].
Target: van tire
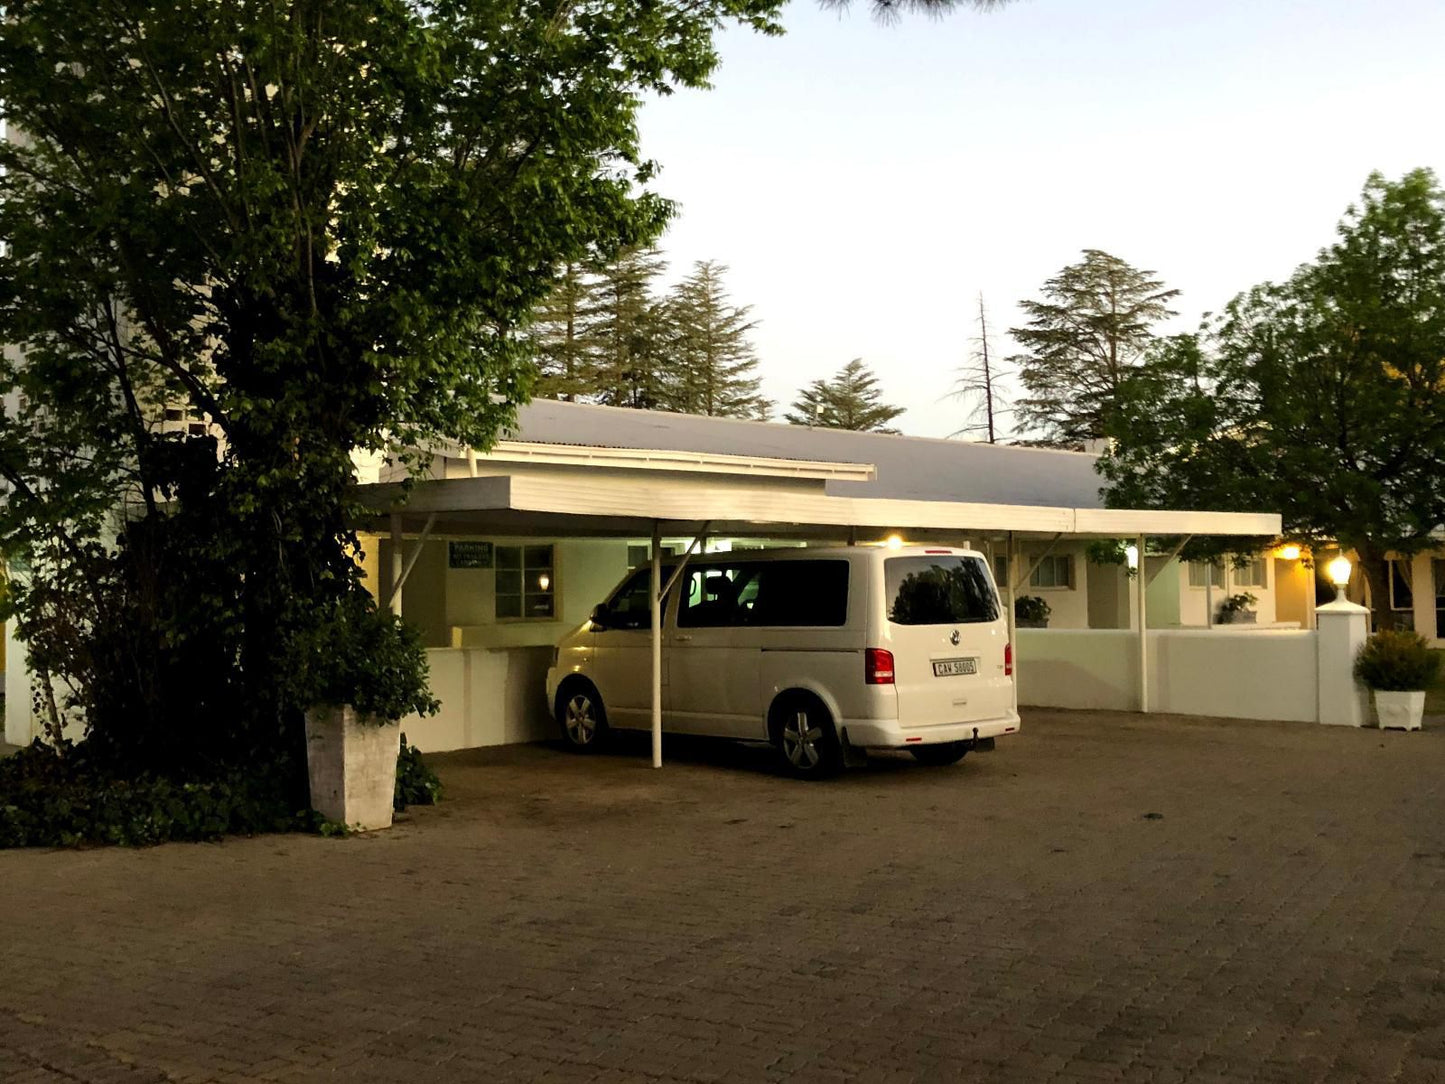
[941,755]
[581,716]
[819,754]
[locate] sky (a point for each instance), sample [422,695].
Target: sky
[865,183]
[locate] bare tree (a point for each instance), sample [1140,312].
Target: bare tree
[979,387]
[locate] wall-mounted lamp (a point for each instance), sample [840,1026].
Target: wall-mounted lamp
[544,581]
[1131,556]
[895,542]
[1338,571]
[1290,552]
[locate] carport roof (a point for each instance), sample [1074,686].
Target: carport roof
[907,468]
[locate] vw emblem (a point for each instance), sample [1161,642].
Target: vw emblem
[953,637]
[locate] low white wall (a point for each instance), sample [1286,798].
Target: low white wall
[1226,673]
[489,696]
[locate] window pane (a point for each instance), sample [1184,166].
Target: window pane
[713,596]
[509,606]
[539,605]
[807,593]
[538,557]
[509,556]
[938,591]
[509,583]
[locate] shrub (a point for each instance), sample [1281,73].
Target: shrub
[1031,608]
[1396,661]
[1236,604]
[67,798]
[367,658]
[416,784]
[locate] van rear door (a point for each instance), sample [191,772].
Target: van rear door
[947,637]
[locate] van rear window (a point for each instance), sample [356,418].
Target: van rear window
[945,590]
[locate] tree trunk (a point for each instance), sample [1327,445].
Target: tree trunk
[1376,569]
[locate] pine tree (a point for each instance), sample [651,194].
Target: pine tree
[849,401]
[563,332]
[712,363]
[980,387]
[1088,333]
[630,333]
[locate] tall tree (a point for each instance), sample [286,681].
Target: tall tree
[630,332]
[710,355]
[1083,338]
[850,400]
[320,224]
[980,386]
[1322,397]
[563,334]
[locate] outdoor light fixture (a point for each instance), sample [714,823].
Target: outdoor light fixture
[1131,555]
[895,542]
[544,581]
[1290,552]
[1339,573]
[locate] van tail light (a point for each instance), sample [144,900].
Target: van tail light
[1008,660]
[878,666]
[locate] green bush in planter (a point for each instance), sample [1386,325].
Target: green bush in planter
[367,658]
[1032,608]
[1396,660]
[1236,604]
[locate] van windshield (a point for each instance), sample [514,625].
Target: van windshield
[942,590]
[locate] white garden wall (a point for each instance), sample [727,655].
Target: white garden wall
[1224,672]
[489,696]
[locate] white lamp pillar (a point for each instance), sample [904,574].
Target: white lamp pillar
[1342,628]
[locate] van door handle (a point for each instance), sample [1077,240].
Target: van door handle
[682,639]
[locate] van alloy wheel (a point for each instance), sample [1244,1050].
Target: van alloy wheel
[581,716]
[801,741]
[803,734]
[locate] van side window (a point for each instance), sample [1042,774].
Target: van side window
[630,607]
[806,593]
[717,596]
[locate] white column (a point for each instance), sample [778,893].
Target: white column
[656,596]
[396,569]
[1141,587]
[1013,637]
[1343,628]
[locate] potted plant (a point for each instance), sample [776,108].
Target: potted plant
[1031,612]
[1397,666]
[363,670]
[1235,610]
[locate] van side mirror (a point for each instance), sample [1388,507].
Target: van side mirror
[601,615]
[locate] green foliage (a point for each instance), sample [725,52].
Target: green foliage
[366,657]
[1032,608]
[1322,397]
[1395,660]
[315,227]
[713,362]
[630,332]
[416,783]
[1082,340]
[851,400]
[67,798]
[1235,604]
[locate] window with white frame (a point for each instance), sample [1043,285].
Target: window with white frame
[1250,574]
[526,587]
[1054,570]
[1206,574]
[1402,590]
[1000,571]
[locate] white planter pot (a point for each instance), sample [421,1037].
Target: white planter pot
[1240,617]
[352,764]
[1399,711]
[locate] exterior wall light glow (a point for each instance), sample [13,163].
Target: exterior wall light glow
[1290,552]
[544,581]
[895,542]
[1339,572]
[1131,555]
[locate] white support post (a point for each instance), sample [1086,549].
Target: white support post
[1013,637]
[396,568]
[656,598]
[1141,587]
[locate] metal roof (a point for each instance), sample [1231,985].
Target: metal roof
[908,468]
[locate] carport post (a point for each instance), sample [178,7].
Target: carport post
[396,564]
[1141,588]
[656,608]
[1013,638]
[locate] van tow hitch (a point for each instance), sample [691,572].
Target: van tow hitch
[980,745]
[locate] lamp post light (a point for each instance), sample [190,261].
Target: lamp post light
[1338,571]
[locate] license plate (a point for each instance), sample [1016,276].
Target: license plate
[952,667]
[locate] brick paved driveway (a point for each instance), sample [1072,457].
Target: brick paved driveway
[1105,898]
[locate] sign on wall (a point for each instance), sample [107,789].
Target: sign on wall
[469,555]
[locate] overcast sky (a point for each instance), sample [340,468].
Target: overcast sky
[866,182]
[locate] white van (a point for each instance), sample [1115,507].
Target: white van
[819,651]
